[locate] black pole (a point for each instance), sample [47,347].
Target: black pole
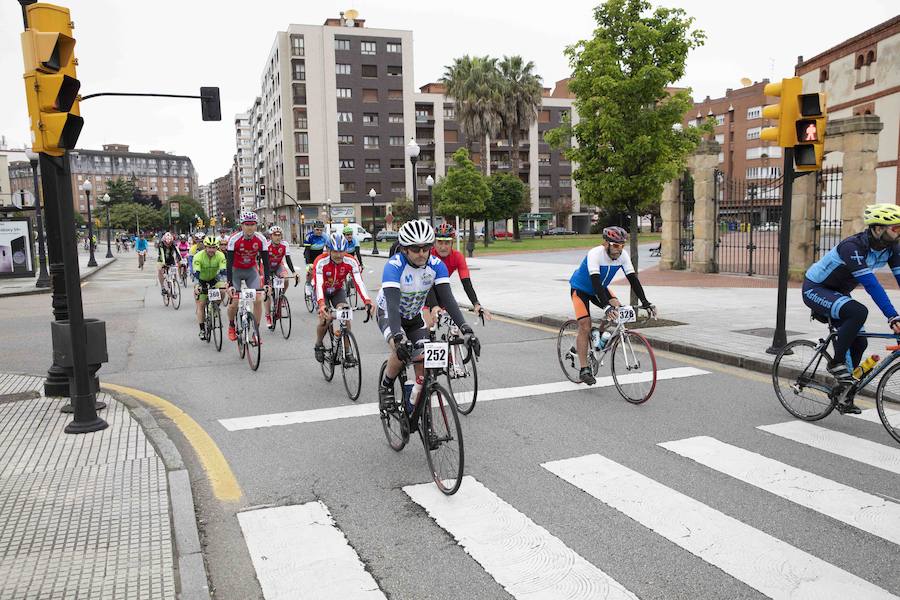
[374,234]
[92,262]
[108,250]
[779,339]
[43,279]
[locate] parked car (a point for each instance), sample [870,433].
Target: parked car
[359,232]
[503,234]
[387,236]
[527,232]
[560,231]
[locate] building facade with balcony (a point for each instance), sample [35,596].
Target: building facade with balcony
[244,162]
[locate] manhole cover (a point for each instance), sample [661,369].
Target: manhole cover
[766,332]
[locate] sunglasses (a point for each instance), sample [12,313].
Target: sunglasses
[616,245]
[418,249]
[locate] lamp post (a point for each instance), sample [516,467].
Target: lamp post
[372,195]
[105,200]
[328,203]
[430,183]
[412,152]
[87,186]
[43,279]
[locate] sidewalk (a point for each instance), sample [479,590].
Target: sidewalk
[25,286]
[100,515]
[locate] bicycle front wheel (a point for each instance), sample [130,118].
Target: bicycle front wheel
[310,301]
[217,327]
[566,351]
[394,421]
[328,363]
[633,367]
[283,314]
[441,434]
[252,342]
[462,377]
[351,366]
[242,336]
[802,382]
[176,295]
[887,401]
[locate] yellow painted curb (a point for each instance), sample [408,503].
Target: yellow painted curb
[221,479]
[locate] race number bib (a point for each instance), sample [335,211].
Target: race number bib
[214,294]
[248,294]
[343,314]
[627,314]
[436,355]
[171,275]
[278,282]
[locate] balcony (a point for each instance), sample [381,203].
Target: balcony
[425,142]
[496,166]
[424,118]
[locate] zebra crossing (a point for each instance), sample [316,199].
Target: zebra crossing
[300,552]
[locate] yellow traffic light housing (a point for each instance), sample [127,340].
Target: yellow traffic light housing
[810,127]
[51,84]
[785,112]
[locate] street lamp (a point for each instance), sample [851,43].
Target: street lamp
[87,186]
[412,152]
[430,183]
[328,202]
[43,279]
[105,201]
[372,195]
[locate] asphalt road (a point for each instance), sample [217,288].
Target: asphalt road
[723,537]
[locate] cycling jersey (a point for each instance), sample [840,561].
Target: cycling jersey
[209,267]
[598,262]
[194,248]
[246,250]
[330,277]
[316,242]
[184,248]
[851,263]
[277,253]
[168,254]
[455,261]
[140,245]
[413,283]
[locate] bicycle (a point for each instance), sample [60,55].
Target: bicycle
[280,308]
[350,291]
[182,272]
[309,294]
[807,391]
[213,317]
[633,363]
[247,328]
[462,370]
[433,414]
[142,255]
[171,292]
[343,350]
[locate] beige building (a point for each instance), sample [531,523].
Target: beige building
[861,76]
[244,162]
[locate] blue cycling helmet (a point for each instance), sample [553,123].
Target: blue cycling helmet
[336,242]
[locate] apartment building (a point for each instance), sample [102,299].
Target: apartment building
[244,162]
[205,199]
[861,76]
[223,199]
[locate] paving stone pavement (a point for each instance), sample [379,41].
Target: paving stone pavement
[81,516]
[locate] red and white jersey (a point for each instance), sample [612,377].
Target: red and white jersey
[277,252]
[330,277]
[247,250]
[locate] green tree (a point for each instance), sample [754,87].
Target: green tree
[130,215]
[508,197]
[122,190]
[463,193]
[188,209]
[522,90]
[403,210]
[629,138]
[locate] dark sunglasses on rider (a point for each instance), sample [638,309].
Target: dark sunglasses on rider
[419,249]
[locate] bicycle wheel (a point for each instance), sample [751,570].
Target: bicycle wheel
[352,374]
[802,382]
[633,366]
[568,355]
[442,439]
[176,295]
[252,342]
[167,296]
[242,335]
[395,422]
[283,314]
[310,301]
[207,322]
[462,377]
[887,401]
[328,363]
[217,327]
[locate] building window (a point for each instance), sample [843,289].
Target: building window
[299,93]
[297,48]
[754,112]
[341,44]
[563,116]
[753,133]
[544,116]
[299,70]
[545,203]
[394,48]
[398,163]
[565,182]
[342,68]
[823,74]
[395,118]
[345,93]
[395,94]
[373,166]
[720,138]
[302,164]
[374,185]
[764,152]
[370,142]
[398,187]
[370,71]
[345,117]
[395,71]
[347,163]
[367,47]
[544,181]
[370,119]
[348,187]
[303,189]
[449,113]
[301,142]
[345,140]
[396,140]
[451,136]
[720,120]
[763,173]
[370,95]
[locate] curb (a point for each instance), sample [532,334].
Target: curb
[48,289]
[190,568]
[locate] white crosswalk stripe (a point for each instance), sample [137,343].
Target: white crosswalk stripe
[759,560]
[861,510]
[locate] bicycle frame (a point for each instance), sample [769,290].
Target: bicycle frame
[883,364]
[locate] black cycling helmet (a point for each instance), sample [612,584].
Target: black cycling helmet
[616,235]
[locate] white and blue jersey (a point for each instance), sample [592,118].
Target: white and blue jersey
[598,262]
[413,283]
[352,245]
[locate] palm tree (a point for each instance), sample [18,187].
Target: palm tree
[522,98]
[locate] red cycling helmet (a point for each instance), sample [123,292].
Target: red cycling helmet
[445,231]
[616,235]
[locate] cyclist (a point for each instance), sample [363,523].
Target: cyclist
[330,270]
[140,246]
[590,283]
[196,246]
[313,244]
[828,283]
[454,261]
[353,245]
[279,254]
[209,269]
[244,249]
[407,278]
[167,255]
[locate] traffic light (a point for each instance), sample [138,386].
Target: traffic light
[210,108]
[51,85]
[262,190]
[810,148]
[785,112]
[212,221]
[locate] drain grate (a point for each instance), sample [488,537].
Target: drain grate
[765,332]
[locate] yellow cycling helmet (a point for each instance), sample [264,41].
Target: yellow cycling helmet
[210,242]
[882,214]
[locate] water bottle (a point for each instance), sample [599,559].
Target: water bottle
[595,339]
[866,366]
[604,339]
[407,394]
[416,390]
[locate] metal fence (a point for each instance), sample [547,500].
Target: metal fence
[748,217]
[685,221]
[829,189]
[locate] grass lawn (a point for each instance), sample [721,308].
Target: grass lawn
[549,243]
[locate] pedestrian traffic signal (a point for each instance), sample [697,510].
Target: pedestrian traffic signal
[785,112]
[51,85]
[810,149]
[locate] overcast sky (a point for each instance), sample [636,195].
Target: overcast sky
[175,47]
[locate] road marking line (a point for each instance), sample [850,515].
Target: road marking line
[298,552]
[371,408]
[755,558]
[871,415]
[527,560]
[846,504]
[221,479]
[842,444]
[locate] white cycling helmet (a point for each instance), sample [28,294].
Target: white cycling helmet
[167,238]
[275,229]
[249,217]
[416,233]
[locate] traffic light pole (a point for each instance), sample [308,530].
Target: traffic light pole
[779,339]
